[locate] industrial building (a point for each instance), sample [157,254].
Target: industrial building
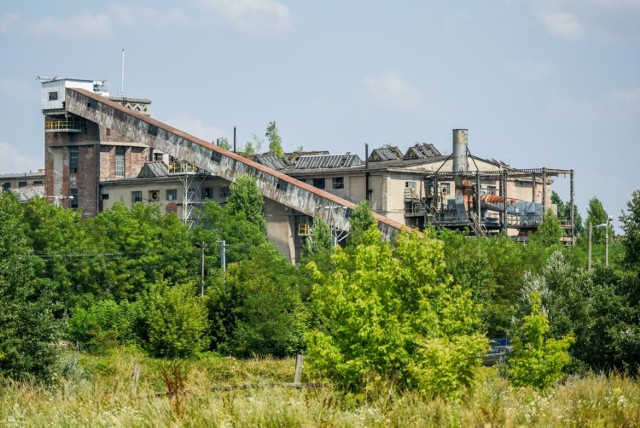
[100,150]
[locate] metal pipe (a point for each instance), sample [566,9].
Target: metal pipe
[234,139]
[366,172]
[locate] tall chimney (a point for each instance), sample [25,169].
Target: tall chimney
[460,160]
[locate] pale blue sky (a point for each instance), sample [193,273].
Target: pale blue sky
[551,83]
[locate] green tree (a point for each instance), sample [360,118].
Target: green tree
[538,361]
[224,143]
[391,313]
[319,248]
[175,321]
[246,201]
[257,310]
[144,247]
[564,214]
[631,227]
[275,142]
[28,329]
[361,221]
[549,233]
[596,215]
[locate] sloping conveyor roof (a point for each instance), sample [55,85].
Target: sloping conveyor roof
[273,185]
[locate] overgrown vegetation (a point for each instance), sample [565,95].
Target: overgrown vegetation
[385,323]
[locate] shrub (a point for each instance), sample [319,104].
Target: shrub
[391,314]
[103,325]
[538,361]
[175,321]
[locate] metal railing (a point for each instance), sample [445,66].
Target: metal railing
[61,125]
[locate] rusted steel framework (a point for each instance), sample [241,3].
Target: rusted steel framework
[475,203]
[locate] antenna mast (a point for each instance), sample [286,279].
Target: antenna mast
[122,79]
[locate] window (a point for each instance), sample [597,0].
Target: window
[6,186]
[108,132]
[105,196]
[152,130]
[53,96]
[410,184]
[158,156]
[224,192]
[37,183]
[338,182]
[172,194]
[73,198]
[318,182]
[22,184]
[120,151]
[136,196]
[154,195]
[282,185]
[73,160]
[207,193]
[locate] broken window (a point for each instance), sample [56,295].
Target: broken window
[73,197]
[73,160]
[318,182]
[224,192]
[338,182]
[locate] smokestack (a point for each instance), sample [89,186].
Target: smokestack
[460,167]
[460,160]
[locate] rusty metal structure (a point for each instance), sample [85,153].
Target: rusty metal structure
[485,213]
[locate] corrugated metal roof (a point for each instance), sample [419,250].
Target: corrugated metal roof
[328,161]
[154,169]
[271,161]
[29,192]
[422,150]
[385,153]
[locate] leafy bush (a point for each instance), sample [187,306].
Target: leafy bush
[175,321]
[392,314]
[103,325]
[538,361]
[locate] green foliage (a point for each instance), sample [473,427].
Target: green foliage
[596,215]
[175,321]
[361,220]
[28,330]
[564,214]
[246,201]
[149,248]
[104,325]
[492,270]
[257,310]
[631,227]
[393,314]
[275,142]
[549,233]
[319,248]
[224,143]
[538,361]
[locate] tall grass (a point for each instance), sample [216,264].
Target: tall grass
[97,391]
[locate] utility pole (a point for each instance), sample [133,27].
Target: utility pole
[201,245]
[590,233]
[223,258]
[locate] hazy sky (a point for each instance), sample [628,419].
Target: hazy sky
[552,83]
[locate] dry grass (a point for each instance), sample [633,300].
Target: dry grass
[97,391]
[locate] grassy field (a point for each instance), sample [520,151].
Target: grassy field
[99,391]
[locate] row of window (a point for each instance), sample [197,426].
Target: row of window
[7,185]
[336,182]
[172,194]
